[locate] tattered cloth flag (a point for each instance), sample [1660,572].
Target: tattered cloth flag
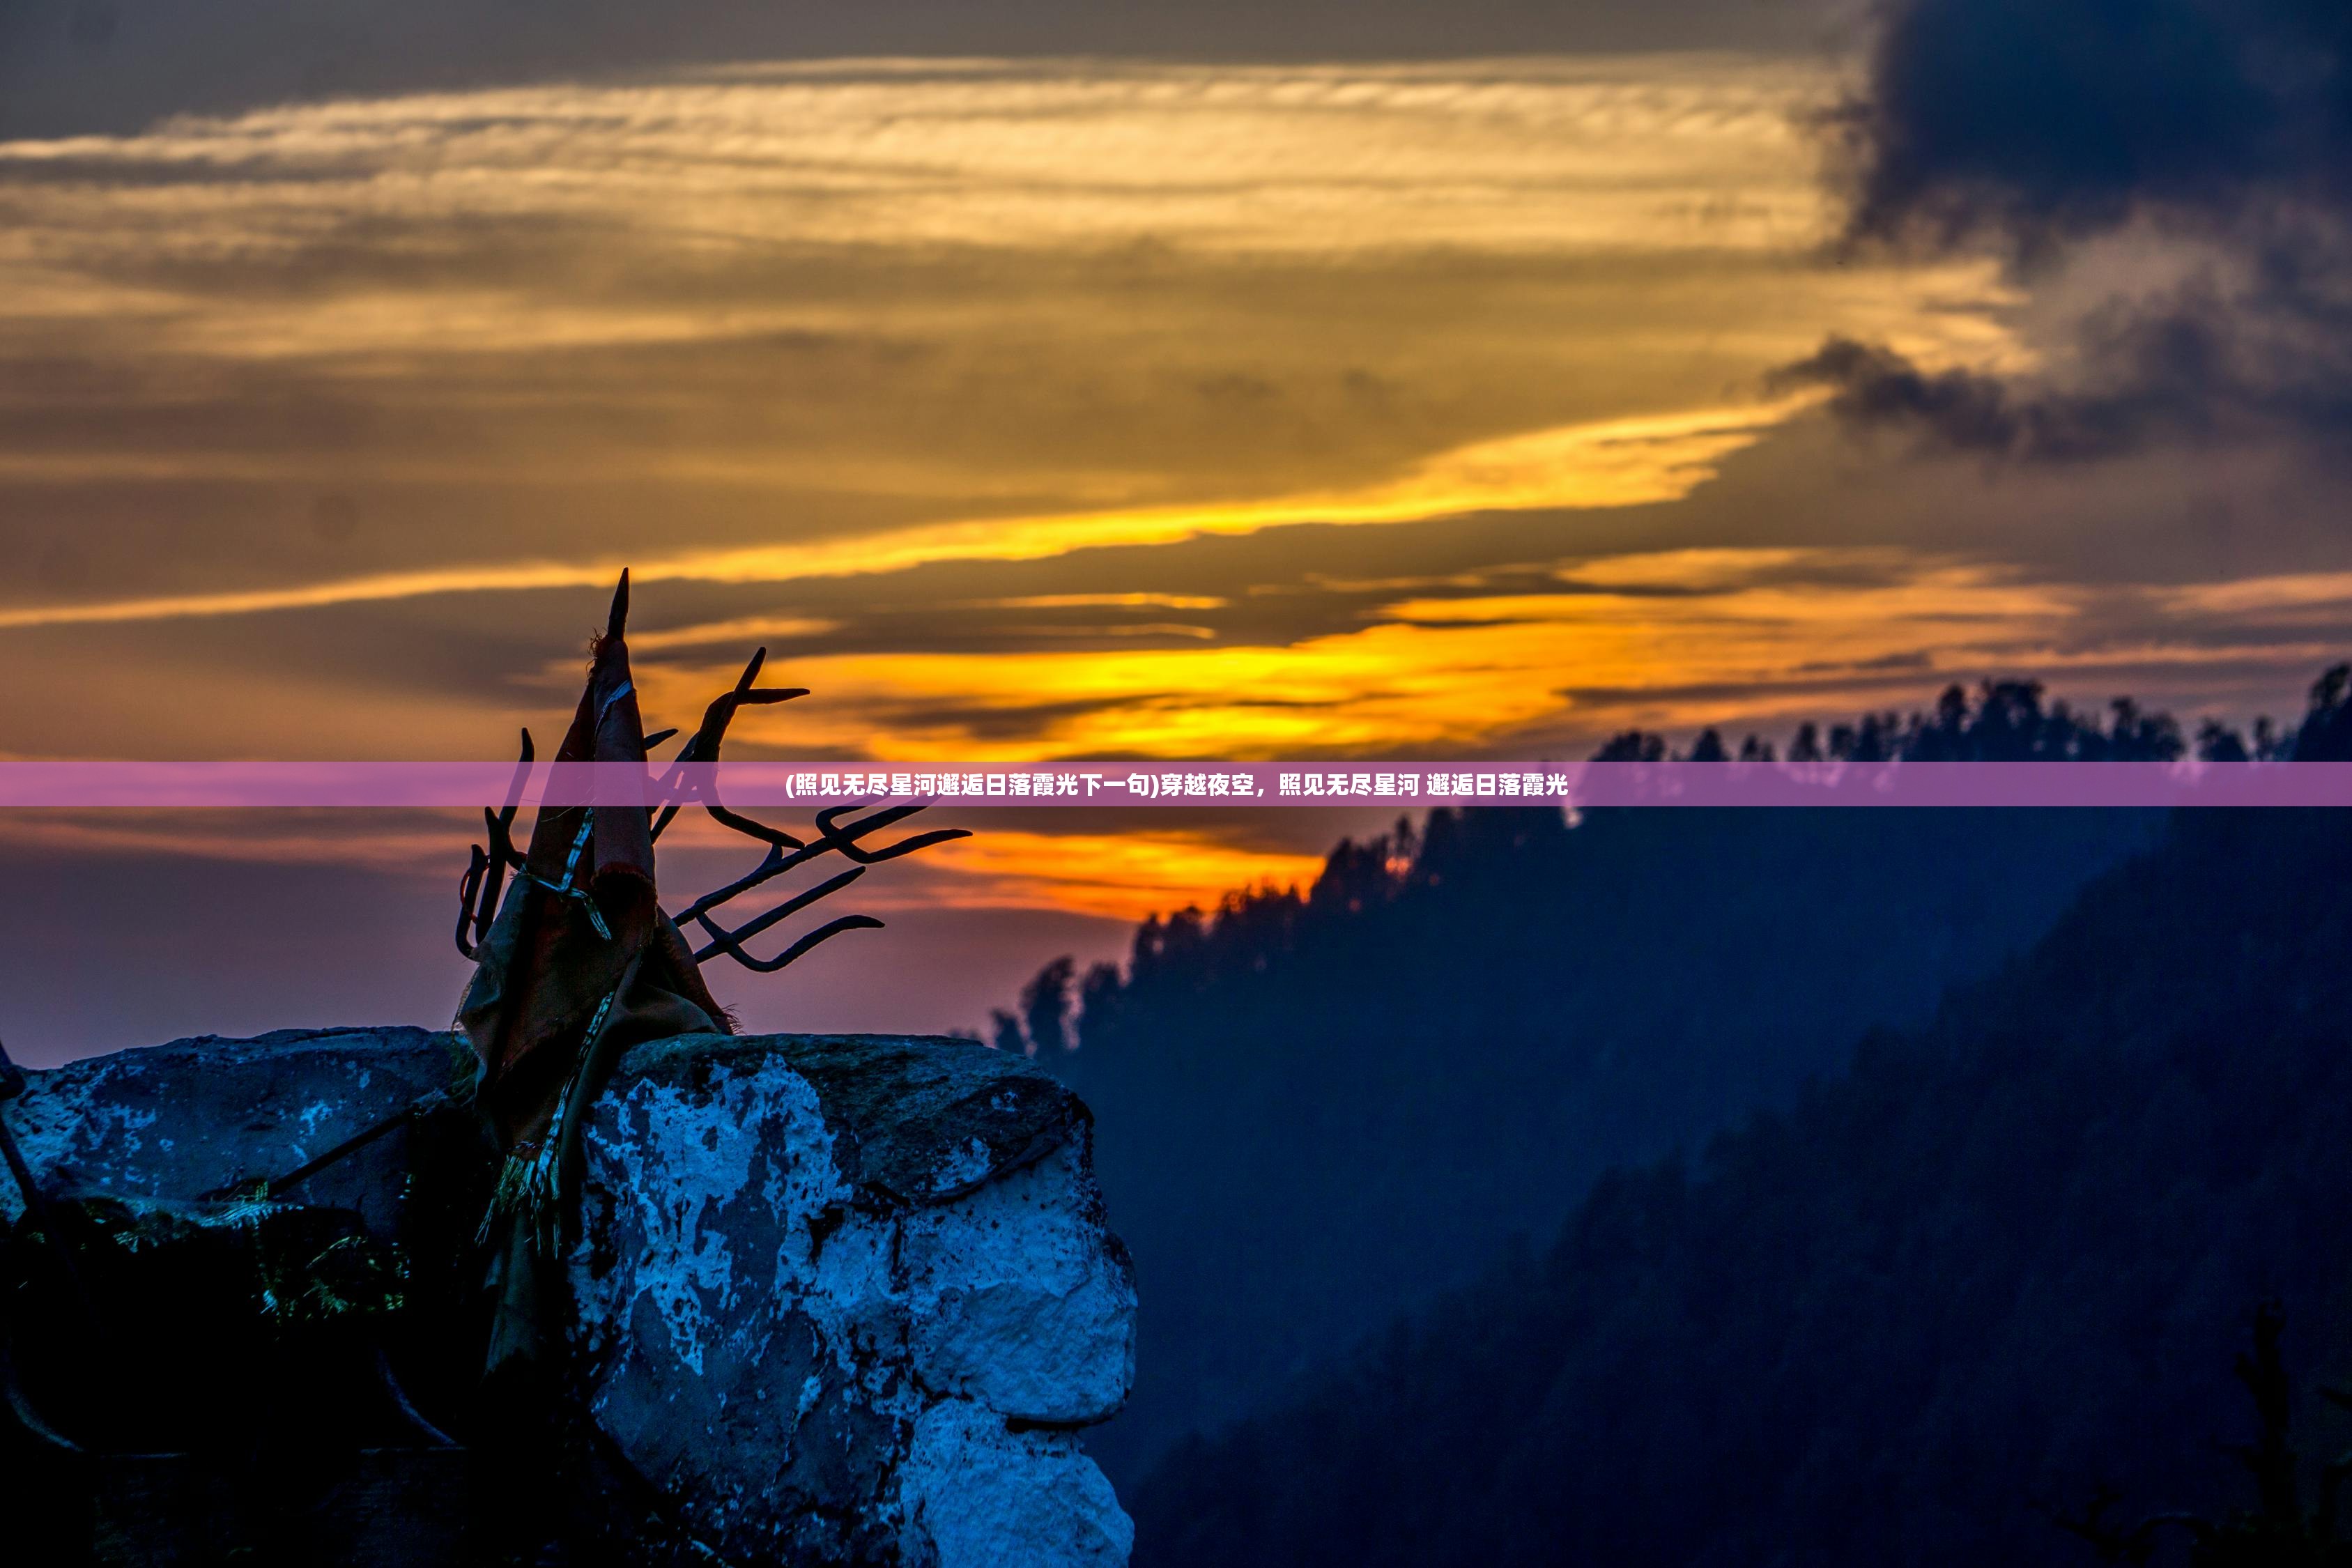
[580,964]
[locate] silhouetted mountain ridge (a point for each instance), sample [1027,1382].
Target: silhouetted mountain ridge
[1318,1110]
[2000,1260]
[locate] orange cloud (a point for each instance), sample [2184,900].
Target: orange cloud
[1430,676]
[1121,876]
[1125,876]
[1617,462]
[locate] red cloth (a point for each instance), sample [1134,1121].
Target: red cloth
[579,965]
[546,969]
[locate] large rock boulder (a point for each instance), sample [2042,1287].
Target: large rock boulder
[203,1115]
[838,1298]
[845,1299]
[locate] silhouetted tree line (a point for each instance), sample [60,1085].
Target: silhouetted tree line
[1319,1108]
[2006,721]
[2281,1530]
[1991,1266]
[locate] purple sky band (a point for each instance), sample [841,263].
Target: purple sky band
[166,784]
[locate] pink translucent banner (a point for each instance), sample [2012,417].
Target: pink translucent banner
[1176,785]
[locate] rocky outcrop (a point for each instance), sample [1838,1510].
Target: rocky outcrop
[838,1298]
[845,1298]
[207,1114]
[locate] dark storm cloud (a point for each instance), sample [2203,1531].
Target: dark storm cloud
[2216,133]
[74,66]
[2197,368]
[2052,118]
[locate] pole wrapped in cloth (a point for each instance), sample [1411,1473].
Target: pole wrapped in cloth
[579,964]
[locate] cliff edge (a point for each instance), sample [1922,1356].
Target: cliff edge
[836,1298]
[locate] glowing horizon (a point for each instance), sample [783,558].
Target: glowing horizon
[1024,409]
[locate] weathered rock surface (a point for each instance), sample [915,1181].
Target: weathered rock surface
[195,1116]
[839,1299]
[844,1298]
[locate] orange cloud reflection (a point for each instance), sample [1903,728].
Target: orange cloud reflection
[1430,676]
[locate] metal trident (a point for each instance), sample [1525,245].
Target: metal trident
[484,876]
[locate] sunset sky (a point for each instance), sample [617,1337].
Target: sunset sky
[1043,381]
